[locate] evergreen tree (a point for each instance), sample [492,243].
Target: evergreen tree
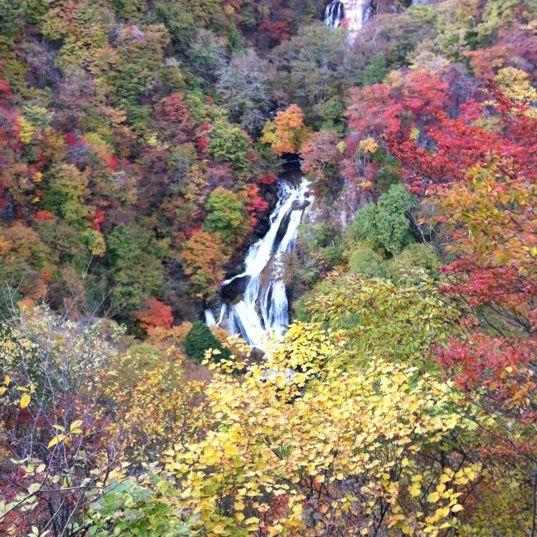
[199,339]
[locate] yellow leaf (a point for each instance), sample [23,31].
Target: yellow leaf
[7,380]
[56,440]
[433,497]
[75,426]
[3,390]
[25,401]
[456,508]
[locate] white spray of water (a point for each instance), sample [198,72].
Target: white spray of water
[264,309]
[353,12]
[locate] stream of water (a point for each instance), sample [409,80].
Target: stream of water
[263,309]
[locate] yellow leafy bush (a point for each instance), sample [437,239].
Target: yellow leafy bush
[310,441]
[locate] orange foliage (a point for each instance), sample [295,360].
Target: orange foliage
[156,315]
[203,259]
[287,132]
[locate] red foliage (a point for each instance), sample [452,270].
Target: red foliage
[113,163]
[202,144]
[44,215]
[320,158]
[276,31]
[156,315]
[173,119]
[267,179]
[256,204]
[70,138]
[501,370]
[392,110]
[516,46]
[5,87]
[462,142]
[97,219]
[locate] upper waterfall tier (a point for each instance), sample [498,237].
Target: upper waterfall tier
[351,13]
[264,308]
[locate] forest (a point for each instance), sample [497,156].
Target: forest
[268,268]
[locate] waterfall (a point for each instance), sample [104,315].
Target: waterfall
[334,14]
[264,308]
[353,12]
[209,318]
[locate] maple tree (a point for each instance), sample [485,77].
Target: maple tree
[157,315]
[286,132]
[204,259]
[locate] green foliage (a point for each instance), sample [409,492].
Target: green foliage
[365,260]
[200,339]
[11,16]
[389,172]
[415,258]
[394,320]
[225,214]
[330,114]
[135,260]
[228,142]
[24,259]
[135,508]
[397,36]
[207,56]
[67,193]
[244,89]
[375,71]
[178,19]
[129,9]
[312,65]
[138,69]
[386,223]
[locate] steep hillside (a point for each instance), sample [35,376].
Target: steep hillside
[350,186]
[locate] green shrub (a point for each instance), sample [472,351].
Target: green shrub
[415,256]
[364,260]
[228,142]
[11,16]
[375,71]
[386,223]
[200,339]
[225,214]
[130,509]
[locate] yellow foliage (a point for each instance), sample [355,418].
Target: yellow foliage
[154,406]
[516,86]
[26,130]
[310,431]
[368,145]
[287,132]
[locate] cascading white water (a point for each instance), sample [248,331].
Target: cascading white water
[334,14]
[353,12]
[264,308]
[209,318]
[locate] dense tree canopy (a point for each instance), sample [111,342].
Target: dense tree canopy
[141,147]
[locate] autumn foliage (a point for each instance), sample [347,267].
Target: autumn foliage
[141,147]
[286,132]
